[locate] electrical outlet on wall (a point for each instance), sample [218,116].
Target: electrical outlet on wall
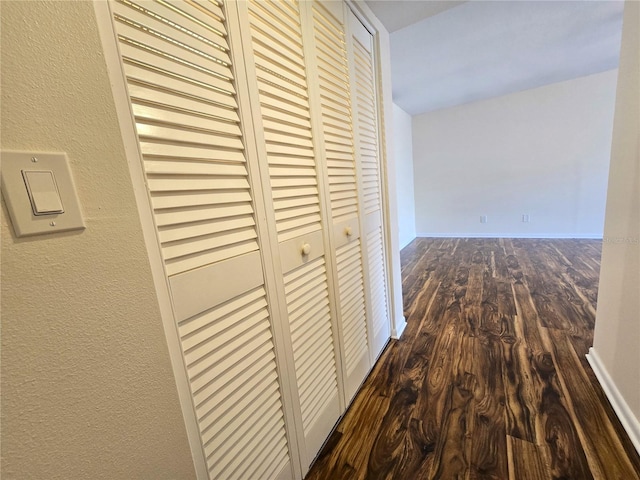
[483,219]
[525,218]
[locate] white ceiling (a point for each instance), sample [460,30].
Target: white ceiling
[450,53]
[397,14]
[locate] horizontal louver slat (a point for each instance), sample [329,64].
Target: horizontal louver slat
[180,231]
[181,133]
[206,243]
[146,69]
[151,149]
[160,183]
[269,15]
[285,65]
[170,50]
[195,120]
[172,167]
[287,203]
[289,111]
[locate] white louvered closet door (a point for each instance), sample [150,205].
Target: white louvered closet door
[285,120]
[175,56]
[333,90]
[365,107]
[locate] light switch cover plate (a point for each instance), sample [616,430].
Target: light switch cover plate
[16,196]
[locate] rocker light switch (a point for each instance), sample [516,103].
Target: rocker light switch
[39,192]
[43,192]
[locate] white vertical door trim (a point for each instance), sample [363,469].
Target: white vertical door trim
[127,127]
[363,14]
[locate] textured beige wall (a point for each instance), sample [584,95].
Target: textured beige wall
[617,335]
[87,386]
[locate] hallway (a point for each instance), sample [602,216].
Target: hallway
[489,379]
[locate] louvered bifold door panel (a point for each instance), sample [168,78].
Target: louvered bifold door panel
[339,149]
[312,340]
[365,105]
[353,315]
[181,87]
[284,103]
[285,118]
[231,365]
[176,60]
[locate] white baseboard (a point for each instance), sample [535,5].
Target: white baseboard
[624,413]
[399,328]
[594,236]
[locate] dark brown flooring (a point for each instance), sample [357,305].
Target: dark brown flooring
[489,380]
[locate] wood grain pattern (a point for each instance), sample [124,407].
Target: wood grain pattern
[489,380]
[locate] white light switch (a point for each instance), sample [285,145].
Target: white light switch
[39,193]
[43,192]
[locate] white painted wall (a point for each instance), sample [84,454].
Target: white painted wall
[87,386]
[542,152]
[615,354]
[403,157]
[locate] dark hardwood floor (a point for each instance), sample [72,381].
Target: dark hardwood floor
[489,380]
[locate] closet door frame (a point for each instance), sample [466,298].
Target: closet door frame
[388,192]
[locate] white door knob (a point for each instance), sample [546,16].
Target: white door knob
[348,231]
[306,249]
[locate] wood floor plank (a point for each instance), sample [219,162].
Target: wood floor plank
[488,435]
[489,380]
[347,458]
[605,452]
[520,407]
[451,458]
[552,421]
[526,461]
[418,269]
[389,446]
